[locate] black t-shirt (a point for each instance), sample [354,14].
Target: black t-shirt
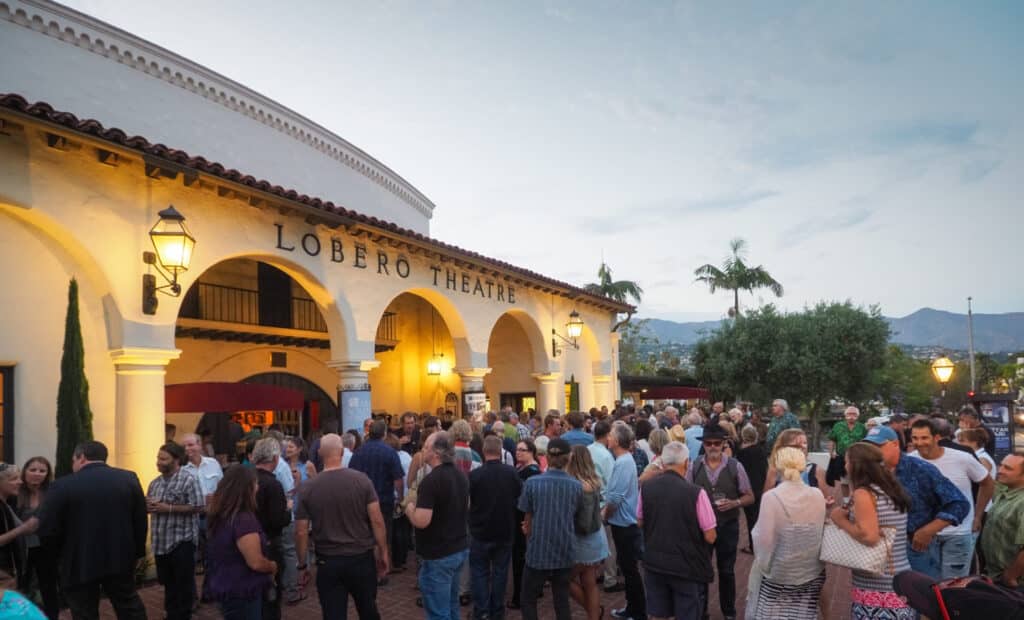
[494,493]
[445,491]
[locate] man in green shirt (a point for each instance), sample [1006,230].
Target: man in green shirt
[1002,539]
[843,435]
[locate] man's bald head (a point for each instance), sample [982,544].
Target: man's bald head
[331,449]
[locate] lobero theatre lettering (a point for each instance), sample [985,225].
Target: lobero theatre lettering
[359,256]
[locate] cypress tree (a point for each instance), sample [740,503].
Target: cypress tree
[574,394]
[74,418]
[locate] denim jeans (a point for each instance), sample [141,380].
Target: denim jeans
[242,608]
[289,573]
[488,563]
[439,585]
[673,597]
[341,575]
[945,558]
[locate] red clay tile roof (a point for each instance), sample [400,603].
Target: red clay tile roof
[44,111]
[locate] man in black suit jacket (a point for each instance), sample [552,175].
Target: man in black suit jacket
[95,522]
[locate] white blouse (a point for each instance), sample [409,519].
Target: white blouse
[787,537]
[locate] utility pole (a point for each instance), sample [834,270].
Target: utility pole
[970,341]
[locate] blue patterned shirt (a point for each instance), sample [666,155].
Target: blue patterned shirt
[932,495]
[779,424]
[381,464]
[552,500]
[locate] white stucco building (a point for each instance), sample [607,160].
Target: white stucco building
[313,267]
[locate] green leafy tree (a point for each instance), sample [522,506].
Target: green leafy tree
[635,346]
[621,291]
[904,383]
[735,275]
[810,358]
[74,418]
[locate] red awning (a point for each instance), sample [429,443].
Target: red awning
[674,392]
[196,397]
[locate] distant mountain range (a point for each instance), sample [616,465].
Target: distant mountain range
[993,333]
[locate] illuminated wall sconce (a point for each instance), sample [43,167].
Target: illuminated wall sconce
[573,328]
[173,244]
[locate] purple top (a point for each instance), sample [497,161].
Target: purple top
[230,577]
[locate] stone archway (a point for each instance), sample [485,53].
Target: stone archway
[420,343]
[516,355]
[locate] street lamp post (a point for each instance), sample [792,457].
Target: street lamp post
[942,368]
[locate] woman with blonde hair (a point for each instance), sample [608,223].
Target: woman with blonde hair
[12,530]
[658,439]
[812,476]
[787,576]
[591,543]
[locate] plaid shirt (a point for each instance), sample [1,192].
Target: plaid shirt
[172,528]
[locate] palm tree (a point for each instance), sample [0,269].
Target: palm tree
[620,290]
[734,275]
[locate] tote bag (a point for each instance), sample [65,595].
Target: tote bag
[839,548]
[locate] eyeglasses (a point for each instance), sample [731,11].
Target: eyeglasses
[522,449]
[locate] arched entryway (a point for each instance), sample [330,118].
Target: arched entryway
[515,354]
[245,320]
[417,356]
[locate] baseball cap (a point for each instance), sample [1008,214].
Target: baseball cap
[879,435]
[558,447]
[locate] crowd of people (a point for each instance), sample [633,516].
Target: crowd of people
[647,502]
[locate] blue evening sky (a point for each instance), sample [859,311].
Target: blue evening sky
[869,151]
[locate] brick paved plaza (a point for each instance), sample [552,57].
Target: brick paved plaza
[397,599]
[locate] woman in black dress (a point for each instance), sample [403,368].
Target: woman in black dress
[527,467]
[754,458]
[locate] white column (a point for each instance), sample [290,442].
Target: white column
[603,392]
[616,385]
[474,398]
[550,392]
[353,391]
[139,407]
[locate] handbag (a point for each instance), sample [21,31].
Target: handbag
[587,519]
[839,548]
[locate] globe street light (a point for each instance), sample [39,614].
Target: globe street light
[942,368]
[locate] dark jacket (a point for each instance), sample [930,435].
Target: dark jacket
[493,494]
[271,504]
[95,522]
[673,541]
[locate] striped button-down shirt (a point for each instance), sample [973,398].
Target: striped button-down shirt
[172,528]
[552,500]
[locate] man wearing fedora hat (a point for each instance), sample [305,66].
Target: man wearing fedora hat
[726,483]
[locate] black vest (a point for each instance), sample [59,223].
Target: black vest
[673,541]
[727,484]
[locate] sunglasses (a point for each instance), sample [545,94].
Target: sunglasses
[713,443]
